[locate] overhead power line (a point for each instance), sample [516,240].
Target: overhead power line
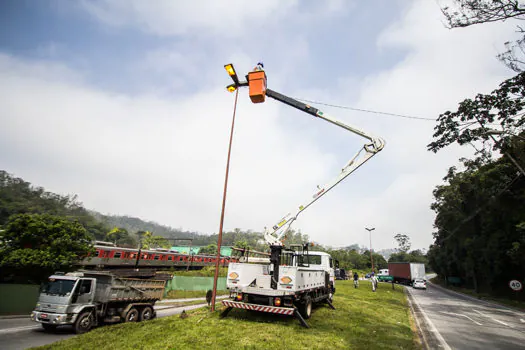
[464,124]
[367,110]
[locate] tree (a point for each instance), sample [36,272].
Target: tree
[295,237]
[242,244]
[479,213]
[18,196]
[149,240]
[474,118]
[403,242]
[210,249]
[120,236]
[465,13]
[36,245]
[379,261]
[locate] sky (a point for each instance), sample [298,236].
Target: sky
[124,104]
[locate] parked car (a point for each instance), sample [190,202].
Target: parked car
[419,283]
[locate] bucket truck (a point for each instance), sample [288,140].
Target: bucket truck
[293,278]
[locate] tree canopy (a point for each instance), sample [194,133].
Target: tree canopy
[480,210]
[475,120]
[480,213]
[36,245]
[403,242]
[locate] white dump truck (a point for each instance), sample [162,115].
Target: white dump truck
[86,299]
[292,279]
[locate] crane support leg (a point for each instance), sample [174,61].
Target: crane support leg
[225,312]
[300,318]
[330,304]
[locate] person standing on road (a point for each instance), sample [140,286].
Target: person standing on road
[373,279]
[356,280]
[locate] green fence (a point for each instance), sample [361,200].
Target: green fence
[18,299]
[194,283]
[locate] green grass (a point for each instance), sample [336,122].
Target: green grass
[183,294]
[362,320]
[184,303]
[482,296]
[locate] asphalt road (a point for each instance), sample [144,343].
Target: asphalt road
[454,321]
[22,333]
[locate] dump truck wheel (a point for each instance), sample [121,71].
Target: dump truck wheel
[132,315]
[83,323]
[49,327]
[146,314]
[305,308]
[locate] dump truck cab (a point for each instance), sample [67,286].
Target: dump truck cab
[63,297]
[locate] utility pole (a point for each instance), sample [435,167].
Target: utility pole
[370,232]
[219,240]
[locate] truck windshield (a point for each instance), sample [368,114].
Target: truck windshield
[309,259]
[58,287]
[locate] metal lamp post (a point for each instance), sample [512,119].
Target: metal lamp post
[370,232]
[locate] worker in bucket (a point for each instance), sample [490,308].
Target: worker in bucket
[258,67]
[373,279]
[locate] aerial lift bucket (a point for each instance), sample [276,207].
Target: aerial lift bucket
[257,83]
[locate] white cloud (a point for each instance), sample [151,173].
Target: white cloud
[163,158]
[165,17]
[441,67]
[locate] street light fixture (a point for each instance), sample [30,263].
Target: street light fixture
[370,232]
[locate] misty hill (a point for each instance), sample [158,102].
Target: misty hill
[134,225]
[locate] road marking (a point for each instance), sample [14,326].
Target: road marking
[17,329]
[442,343]
[498,307]
[492,318]
[455,314]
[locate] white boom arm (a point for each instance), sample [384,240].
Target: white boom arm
[275,234]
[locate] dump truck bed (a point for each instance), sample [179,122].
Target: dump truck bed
[136,289]
[113,288]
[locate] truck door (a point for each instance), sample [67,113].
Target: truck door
[84,291]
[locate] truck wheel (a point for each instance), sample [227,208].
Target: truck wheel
[49,327]
[132,315]
[305,308]
[146,314]
[83,323]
